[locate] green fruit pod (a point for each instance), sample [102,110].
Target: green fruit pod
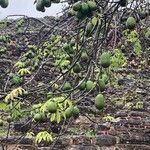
[77,68]
[76,111]
[89,28]
[89,85]
[105,59]
[92,5]
[51,107]
[82,85]
[67,86]
[99,101]
[69,112]
[101,84]
[85,8]
[131,23]
[37,117]
[77,6]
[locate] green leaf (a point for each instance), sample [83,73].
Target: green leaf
[3,106]
[58,116]
[94,21]
[53,116]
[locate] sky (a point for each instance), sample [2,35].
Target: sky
[26,7]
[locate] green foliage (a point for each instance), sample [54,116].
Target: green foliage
[92,5]
[108,118]
[15,108]
[2,50]
[62,63]
[14,94]
[90,134]
[20,65]
[133,37]
[44,136]
[3,24]
[3,106]
[24,72]
[17,80]
[20,23]
[118,60]
[46,69]
[139,105]
[3,38]
[63,109]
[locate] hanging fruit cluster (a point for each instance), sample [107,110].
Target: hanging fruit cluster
[83,9]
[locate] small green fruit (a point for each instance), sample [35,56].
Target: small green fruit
[92,5]
[131,23]
[39,117]
[69,112]
[101,84]
[76,111]
[105,78]
[85,8]
[77,68]
[105,59]
[89,28]
[51,107]
[84,57]
[90,85]
[82,86]
[99,102]
[77,6]
[79,15]
[67,86]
